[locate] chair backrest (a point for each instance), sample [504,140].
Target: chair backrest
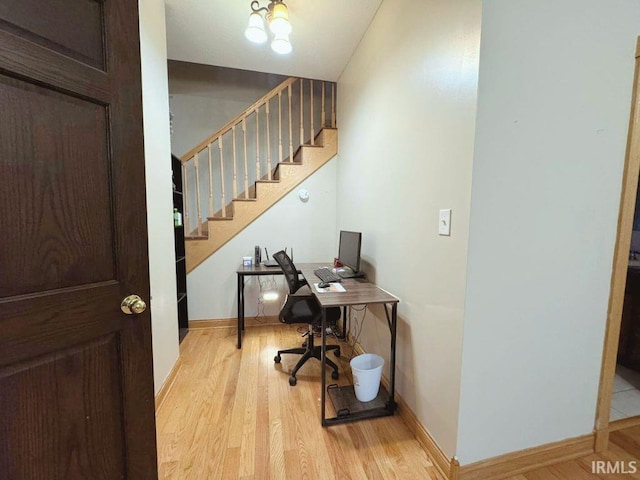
[289,269]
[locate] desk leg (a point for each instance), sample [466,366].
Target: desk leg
[240,308]
[392,374]
[344,330]
[323,366]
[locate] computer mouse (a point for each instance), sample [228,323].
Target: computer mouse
[323,284]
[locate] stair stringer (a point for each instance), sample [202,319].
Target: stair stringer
[267,195]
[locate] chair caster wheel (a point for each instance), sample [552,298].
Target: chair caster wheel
[336,352]
[293,381]
[334,375]
[277,359]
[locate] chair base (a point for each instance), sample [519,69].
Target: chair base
[309,351]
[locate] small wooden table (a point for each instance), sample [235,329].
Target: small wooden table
[359,291]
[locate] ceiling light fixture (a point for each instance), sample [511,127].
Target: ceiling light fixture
[277,16]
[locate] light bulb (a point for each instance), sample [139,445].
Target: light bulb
[281,44]
[279,20]
[255,30]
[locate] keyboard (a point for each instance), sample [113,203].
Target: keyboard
[326,275]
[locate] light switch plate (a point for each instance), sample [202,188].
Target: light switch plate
[444,222]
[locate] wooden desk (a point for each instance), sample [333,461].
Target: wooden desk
[358,292]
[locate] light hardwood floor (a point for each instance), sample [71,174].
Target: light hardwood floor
[232,414]
[622,457]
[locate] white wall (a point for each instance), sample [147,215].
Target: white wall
[157,149]
[289,223]
[406,116]
[204,98]
[553,111]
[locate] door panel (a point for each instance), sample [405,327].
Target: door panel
[64,417]
[60,195]
[76,376]
[48,23]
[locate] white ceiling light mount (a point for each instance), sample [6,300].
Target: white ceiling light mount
[277,16]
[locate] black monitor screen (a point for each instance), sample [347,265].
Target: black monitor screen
[349,251]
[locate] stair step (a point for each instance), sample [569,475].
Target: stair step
[246,210]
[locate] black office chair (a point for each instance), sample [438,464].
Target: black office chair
[302,307]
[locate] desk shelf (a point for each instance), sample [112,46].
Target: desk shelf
[349,408]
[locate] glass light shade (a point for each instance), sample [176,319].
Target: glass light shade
[279,20]
[255,30]
[281,44]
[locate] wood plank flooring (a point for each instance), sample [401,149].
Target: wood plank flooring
[231,414]
[622,457]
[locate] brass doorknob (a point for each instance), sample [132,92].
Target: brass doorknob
[133,304]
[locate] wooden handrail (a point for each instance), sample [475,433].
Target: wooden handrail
[194,159]
[211,138]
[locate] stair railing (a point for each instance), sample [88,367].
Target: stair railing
[227,154]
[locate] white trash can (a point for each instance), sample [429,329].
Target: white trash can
[367,370]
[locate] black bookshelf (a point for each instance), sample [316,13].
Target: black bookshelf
[181,264]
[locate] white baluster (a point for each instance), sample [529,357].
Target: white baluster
[280,126]
[235,167]
[198,210]
[313,132]
[333,105]
[268,144]
[322,116]
[185,198]
[222,195]
[257,144]
[211,212]
[290,128]
[301,112]
[246,165]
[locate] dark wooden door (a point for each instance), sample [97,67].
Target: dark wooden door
[76,385]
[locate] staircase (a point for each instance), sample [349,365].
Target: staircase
[245,162]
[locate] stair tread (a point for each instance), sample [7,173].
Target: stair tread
[215,240]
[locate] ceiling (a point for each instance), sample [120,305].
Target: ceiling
[325,35]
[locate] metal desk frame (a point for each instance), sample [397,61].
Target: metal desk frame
[359,292]
[261,270]
[249,272]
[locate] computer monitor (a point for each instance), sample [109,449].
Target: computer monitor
[349,250]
